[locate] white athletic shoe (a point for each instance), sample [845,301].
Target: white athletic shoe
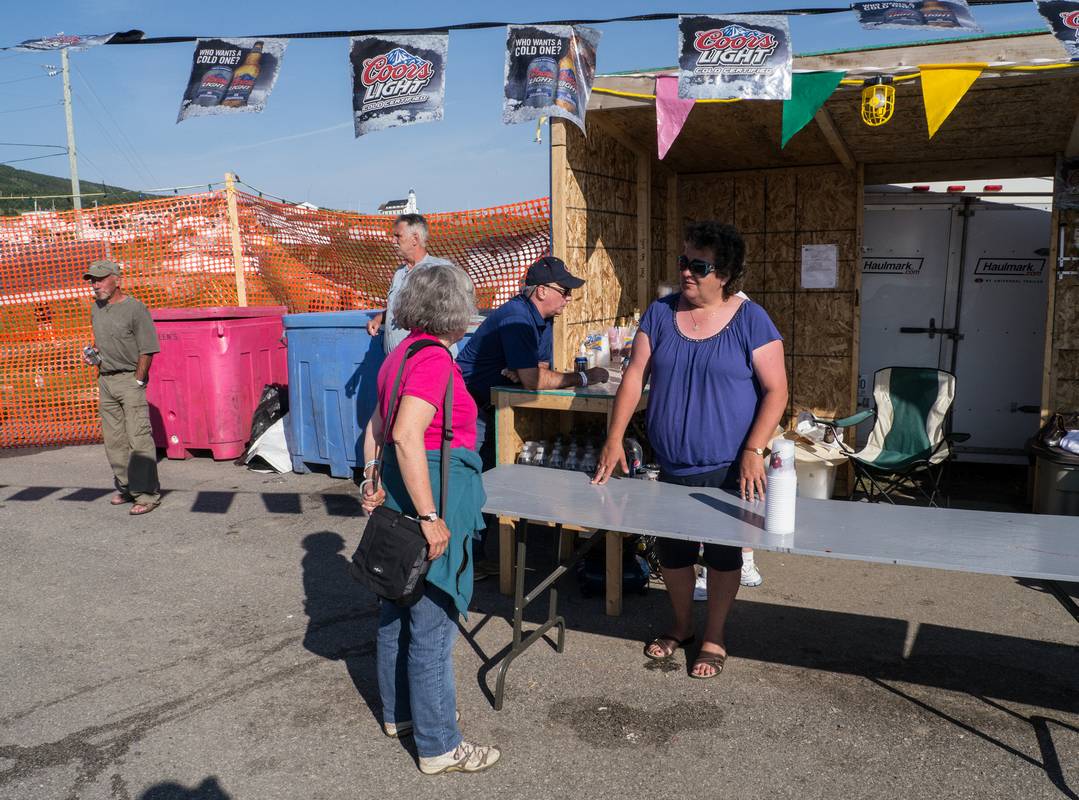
[466,758]
[700,588]
[751,576]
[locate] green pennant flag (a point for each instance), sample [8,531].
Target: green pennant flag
[809,90]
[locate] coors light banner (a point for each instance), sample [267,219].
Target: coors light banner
[549,72]
[744,56]
[231,75]
[1063,19]
[900,14]
[70,41]
[397,80]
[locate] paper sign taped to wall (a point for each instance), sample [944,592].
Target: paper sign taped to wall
[820,266]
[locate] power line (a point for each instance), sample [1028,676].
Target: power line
[472,26]
[138,156]
[32,158]
[32,108]
[23,144]
[20,80]
[112,142]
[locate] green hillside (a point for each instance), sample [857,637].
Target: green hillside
[23,182]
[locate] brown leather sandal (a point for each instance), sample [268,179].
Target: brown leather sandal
[138,509]
[662,643]
[713,660]
[120,499]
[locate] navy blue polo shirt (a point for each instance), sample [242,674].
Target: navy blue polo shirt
[514,336]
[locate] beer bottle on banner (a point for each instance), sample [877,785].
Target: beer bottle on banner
[212,87]
[939,15]
[539,82]
[566,91]
[243,80]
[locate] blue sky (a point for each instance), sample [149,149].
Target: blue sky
[302,146]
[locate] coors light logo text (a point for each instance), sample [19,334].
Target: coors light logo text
[734,45]
[398,73]
[1071,19]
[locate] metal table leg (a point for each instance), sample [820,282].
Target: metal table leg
[1063,598]
[522,642]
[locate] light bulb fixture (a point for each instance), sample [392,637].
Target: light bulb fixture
[878,100]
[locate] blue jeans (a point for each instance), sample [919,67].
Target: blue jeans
[415,669]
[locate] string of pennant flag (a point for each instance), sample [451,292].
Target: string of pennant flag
[398,76]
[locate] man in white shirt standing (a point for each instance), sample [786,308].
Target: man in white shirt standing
[410,240]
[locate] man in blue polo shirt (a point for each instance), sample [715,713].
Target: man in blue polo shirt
[514,345]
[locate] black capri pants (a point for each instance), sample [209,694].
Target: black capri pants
[676,553]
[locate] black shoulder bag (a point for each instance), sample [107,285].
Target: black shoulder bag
[391,560]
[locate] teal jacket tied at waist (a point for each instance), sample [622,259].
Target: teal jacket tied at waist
[452,571]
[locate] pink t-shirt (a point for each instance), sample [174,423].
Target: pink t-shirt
[425,377]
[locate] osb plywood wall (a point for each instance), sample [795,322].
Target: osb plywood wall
[1063,394]
[777,212]
[605,203]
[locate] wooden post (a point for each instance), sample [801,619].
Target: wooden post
[559,164]
[234,235]
[674,228]
[644,229]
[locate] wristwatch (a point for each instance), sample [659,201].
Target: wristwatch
[432,517]
[140,383]
[758,450]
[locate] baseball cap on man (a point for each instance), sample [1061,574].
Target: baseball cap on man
[102,269]
[552,270]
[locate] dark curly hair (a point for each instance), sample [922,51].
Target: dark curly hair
[727,247]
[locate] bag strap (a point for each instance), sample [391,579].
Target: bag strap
[447,421]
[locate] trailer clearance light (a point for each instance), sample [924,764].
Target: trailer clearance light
[993,187]
[957,188]
[921,187]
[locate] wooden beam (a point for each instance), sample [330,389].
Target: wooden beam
[644,230]
[969,169]
[967,50]
[835,139]
[559,176]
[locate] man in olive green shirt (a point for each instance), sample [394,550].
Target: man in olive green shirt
[126,341]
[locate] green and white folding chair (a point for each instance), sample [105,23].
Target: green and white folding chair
[910,443]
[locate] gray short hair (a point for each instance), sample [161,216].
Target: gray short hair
[438,299]
[416,223]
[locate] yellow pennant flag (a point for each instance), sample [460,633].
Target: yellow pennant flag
[943,86]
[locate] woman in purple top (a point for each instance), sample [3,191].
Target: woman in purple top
[718,389]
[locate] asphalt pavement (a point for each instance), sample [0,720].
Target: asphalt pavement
[217,649]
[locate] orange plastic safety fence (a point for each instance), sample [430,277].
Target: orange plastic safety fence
[178,253]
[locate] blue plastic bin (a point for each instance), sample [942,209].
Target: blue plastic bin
[332,366]
[332,370]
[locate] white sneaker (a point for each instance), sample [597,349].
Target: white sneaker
[466,758]
[751,576]
[700,588]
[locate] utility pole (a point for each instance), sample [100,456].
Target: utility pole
[72,158]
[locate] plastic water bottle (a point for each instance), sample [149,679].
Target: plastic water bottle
[782,488]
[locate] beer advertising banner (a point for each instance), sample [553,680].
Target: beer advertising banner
[549,72]
[397,80]
[70,41]
[231,75]
[1063,19]
[743,56]
[902,14]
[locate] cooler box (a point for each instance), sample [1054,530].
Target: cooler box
[332,366]
[206,381]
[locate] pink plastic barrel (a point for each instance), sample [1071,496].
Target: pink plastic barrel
[206,381]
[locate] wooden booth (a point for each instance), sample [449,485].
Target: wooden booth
[618,211]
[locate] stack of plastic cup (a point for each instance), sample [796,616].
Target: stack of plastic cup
[782,488]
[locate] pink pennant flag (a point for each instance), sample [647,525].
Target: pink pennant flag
[671,112]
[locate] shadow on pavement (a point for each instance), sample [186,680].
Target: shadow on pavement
[341,616]
[209,789]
